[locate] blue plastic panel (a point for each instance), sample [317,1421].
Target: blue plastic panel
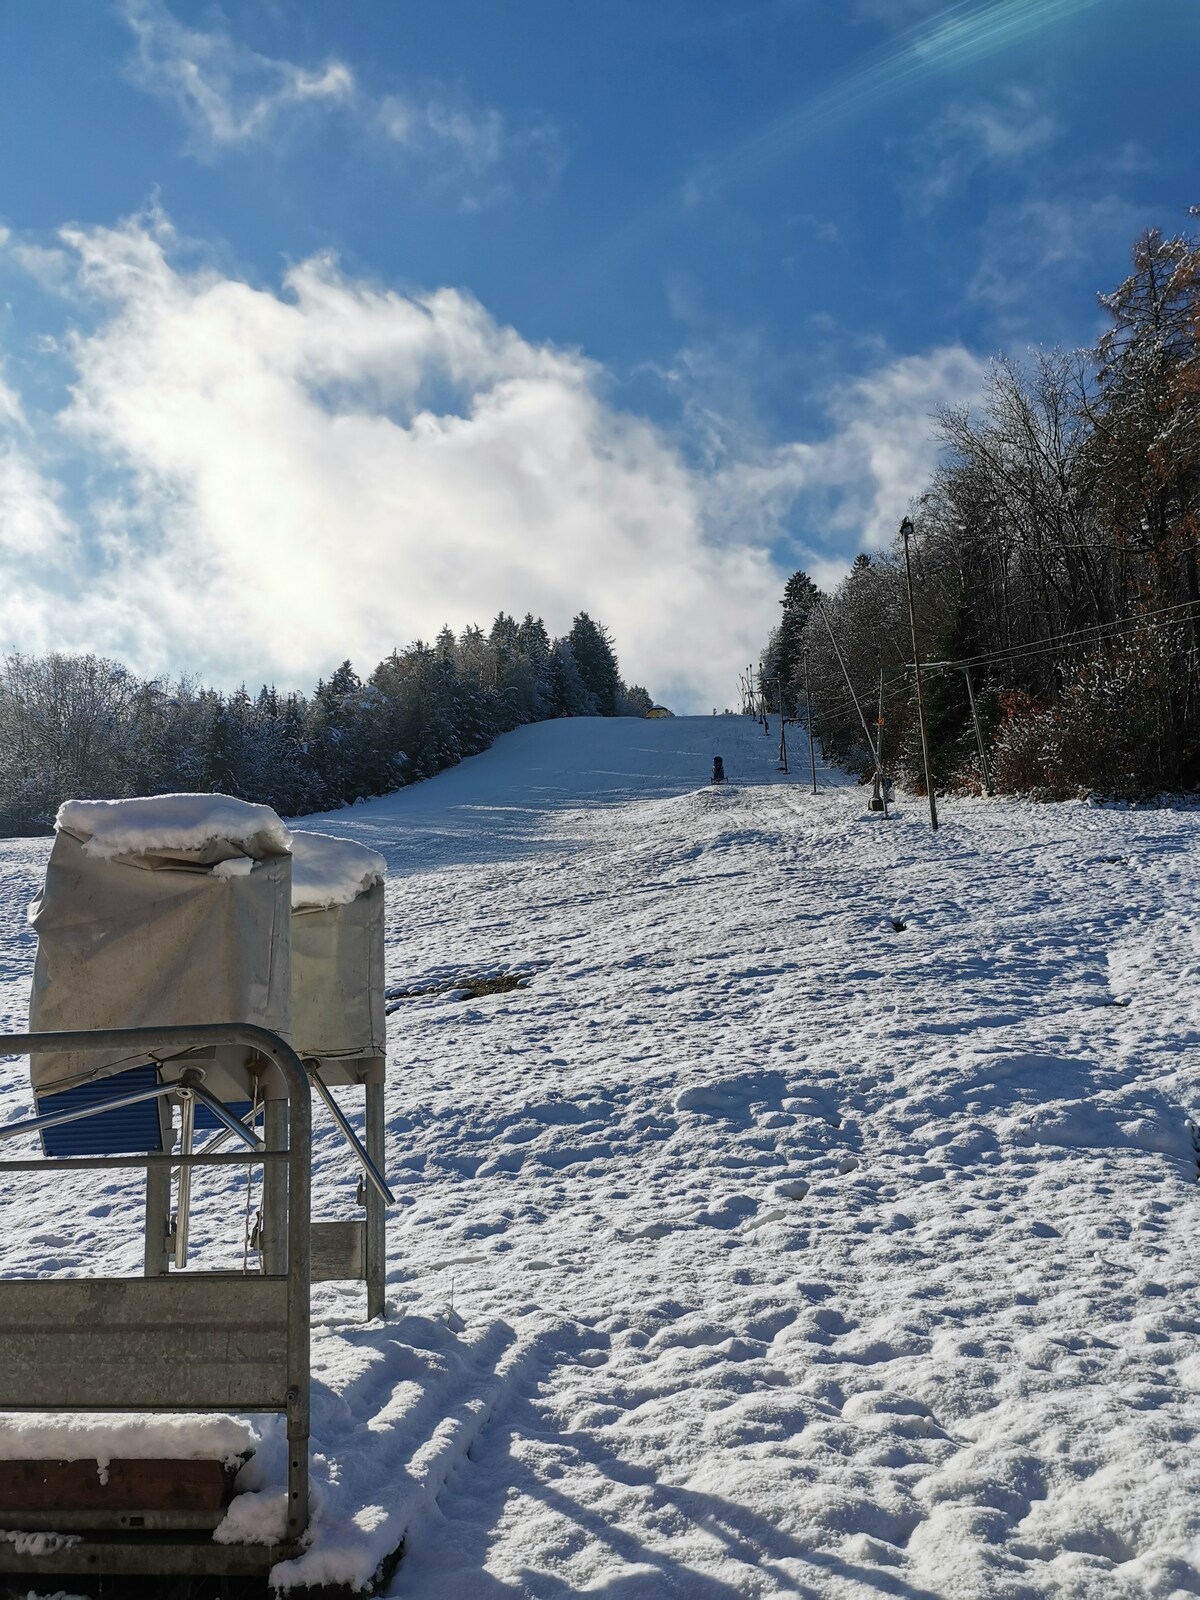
[131,1130]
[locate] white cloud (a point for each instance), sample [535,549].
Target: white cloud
[281,480]
[227,94]
[47,267]
[1040,236]
[982,133]
[340,469]
[851,488]
[10,403]
[35,532]
[474,148]
[34,529]
[230,96]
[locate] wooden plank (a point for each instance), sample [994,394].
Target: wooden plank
[118,1486]
[185,1343]
[150,1558]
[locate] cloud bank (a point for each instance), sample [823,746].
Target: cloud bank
[278,479]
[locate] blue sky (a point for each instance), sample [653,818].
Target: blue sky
[325,323]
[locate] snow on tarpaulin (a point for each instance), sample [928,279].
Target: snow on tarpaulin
[141,923]
[327,871]
[173,823]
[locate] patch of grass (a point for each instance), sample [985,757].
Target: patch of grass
[462,988]
[476,988]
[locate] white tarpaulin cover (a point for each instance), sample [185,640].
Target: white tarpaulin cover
[175,909]
[338,1011]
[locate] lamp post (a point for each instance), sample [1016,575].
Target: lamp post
[906,529]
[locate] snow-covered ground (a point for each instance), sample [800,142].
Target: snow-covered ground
[757,1246]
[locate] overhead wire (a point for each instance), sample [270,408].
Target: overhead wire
[1092,634]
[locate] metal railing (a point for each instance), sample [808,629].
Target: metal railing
[225,1362]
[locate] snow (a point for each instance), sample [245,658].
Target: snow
[754,1247]
[328,871]
[235,867]
[172,822]
[51,1436]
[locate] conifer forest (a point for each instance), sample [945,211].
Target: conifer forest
[82,725]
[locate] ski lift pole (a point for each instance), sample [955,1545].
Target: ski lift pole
[906,529]
[812,755]
[878,803]
[782,726]
[879,736]
[983,761]
[872,744]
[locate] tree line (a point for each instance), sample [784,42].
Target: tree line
[86,727]
[1054,561]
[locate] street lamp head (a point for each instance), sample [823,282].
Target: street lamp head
[906,528]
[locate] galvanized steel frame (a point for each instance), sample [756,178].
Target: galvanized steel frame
[161,1043]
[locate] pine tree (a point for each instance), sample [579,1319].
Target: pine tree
[591,646]
[569,695]
[800,595]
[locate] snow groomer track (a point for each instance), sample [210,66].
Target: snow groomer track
[818,1216]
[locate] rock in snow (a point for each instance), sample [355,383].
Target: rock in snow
[750,1249]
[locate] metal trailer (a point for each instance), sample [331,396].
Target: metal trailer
[200,1342]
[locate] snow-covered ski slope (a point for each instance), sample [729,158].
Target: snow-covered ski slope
[755,1247]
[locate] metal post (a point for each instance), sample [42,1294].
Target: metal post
[275,1189]
[183,1204]
[872,745]
[158,1206]
[56,1119]
[229,1123]
[906,529]
[983,762]
[877,801]
[882,781]
[374,1176]
[376,1215]
[782,726]
[812,755]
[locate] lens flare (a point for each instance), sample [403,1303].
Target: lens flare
[955,37]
